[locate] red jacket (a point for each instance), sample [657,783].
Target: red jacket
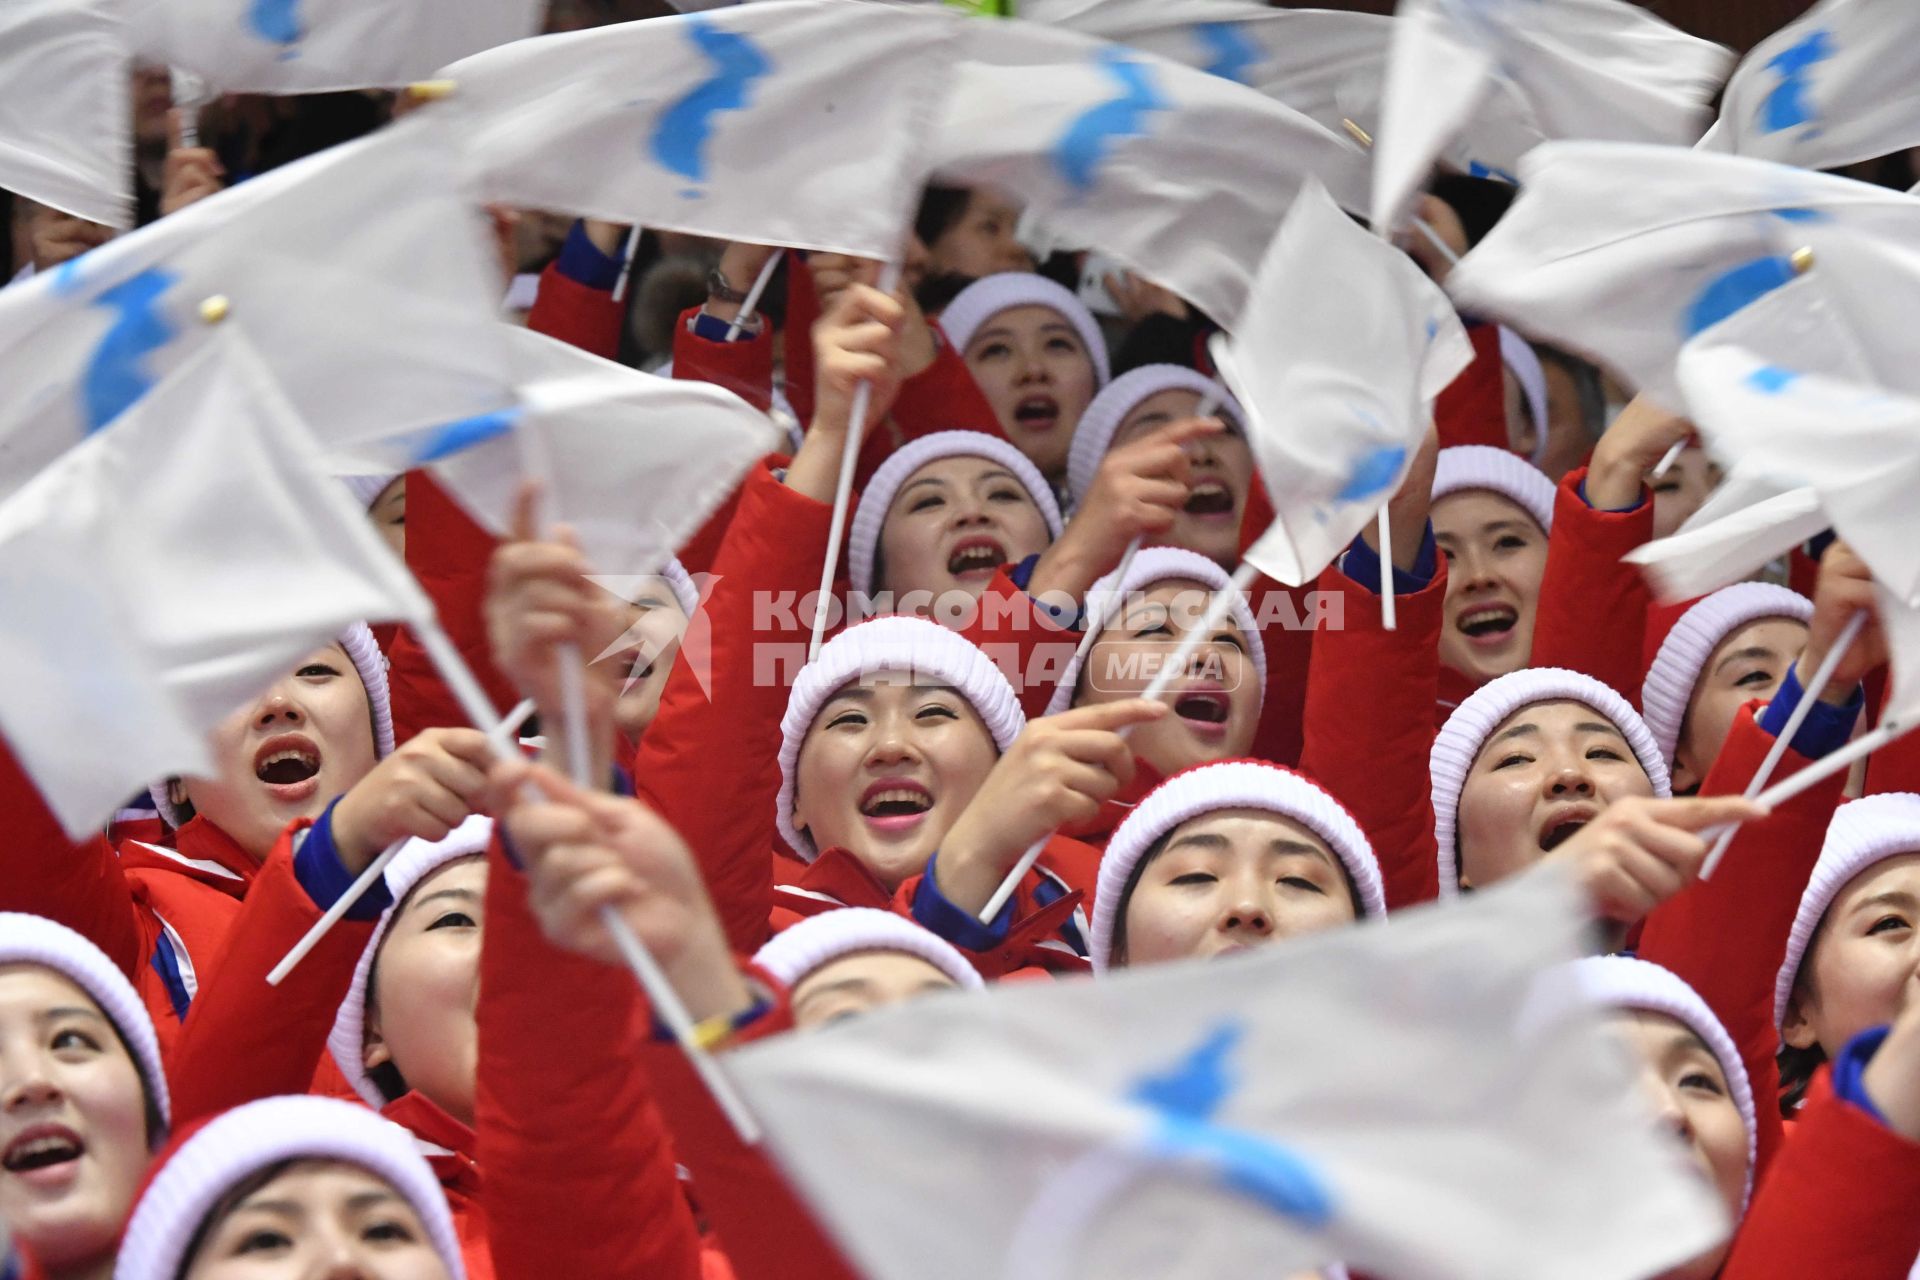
[1592,612]
[1473,408]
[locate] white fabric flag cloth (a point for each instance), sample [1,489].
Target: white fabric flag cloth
[1368,1095]
[1623,252]
[1370,341]
[794,123]
[1584,69]
[633,462]
[66,116]
[315,46]
[167,570]
[1179,175]
[360,274]
[1839,84]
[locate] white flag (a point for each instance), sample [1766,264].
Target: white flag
[1584,69]
[313,46]
[1179,175]
[361,275]
[1839,84]
[633,462]
[167,570]
[66,117]
[795,123]
[1366,1095]
[1623,253]
[1744,525]
[1370,341]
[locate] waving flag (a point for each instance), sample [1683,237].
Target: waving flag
[633,462]
[1179,175]
[1376,1104]
[1369,342]
[1839,84]
[794,123]
[66,121]
[361,275]
[1585,69]
[1627,282]
[311,46]
[162,573]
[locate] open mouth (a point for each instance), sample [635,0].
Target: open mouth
[1488,624]
[1563,828]
[976,558]
[42,1147]
[895,804]
[1209,498]
[1204,711]
[1037,413]
[289,765]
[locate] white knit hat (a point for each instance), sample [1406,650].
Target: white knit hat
[1474,721]
[1623,982]
[1479,466]
[35,940]
[366,488]
[364,652]
[1863,833]
[234,1146]
[1152,565]
[1677,668]
[907,646]
[819,940]
[988,296]
[1229,784]
[863,538]
[416,860]
[680,582]
[1094,435]
[1523,362]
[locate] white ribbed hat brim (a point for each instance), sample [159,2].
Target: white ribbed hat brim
[1151,566]
[240,1143]
[35,940]
[366,488]
[1863,834]
[417,860]
[1478,466]
[1093,437]
[902,646]
[1474,721]
[988,296]
[1668,689]
[819,940]
[863,536]
[1229,784]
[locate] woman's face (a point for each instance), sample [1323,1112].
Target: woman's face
[1216,704]
[1864,964]
[73,1128]
[1689,1092]
[1547,771]
[1222,470]
[1495,556]
[1034,369]
[886,768]
[1683,490]
[953,524]
[289,755]
[654,625]
[426,986]
[1748,664]
[389,515]
[981,241]
[319,1218]
[860,983]
[1231,880]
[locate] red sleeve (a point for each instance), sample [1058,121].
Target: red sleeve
[575,313]
[1286,618]
[709,762]
[1370,696]
[1895,767]
[1838,1204]
[1592,614]
[447,551]
[561,1117]
[1028,646]
[1473,408]
[1727,936]
[744,367]
[78,884]
[244,1040]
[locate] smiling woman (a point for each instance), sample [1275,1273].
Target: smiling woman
[1491,517]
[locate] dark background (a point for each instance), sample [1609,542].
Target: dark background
[1739,24]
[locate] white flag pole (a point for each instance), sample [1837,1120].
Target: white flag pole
[189,94]
[753,295]
[843,491]
[627,251]
[1217,608]
[1388,618]
[1814,774]
[1784,739]
[1667,460]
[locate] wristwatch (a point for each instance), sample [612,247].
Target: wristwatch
[720,291]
